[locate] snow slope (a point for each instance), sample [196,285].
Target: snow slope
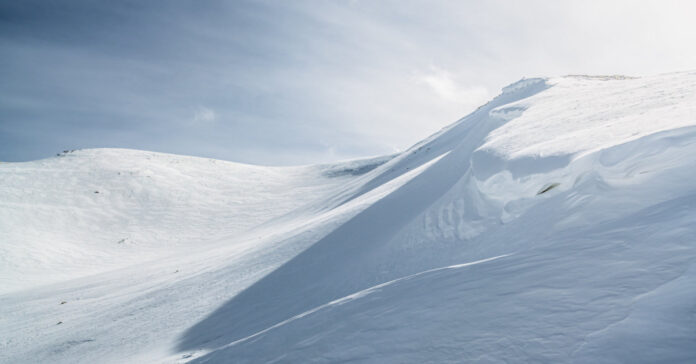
[90,211]
[553,224]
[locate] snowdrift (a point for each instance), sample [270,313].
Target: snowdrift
[553,224]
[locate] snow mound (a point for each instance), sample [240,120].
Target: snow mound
[89,211]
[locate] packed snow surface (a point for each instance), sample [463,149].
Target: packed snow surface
[553,224]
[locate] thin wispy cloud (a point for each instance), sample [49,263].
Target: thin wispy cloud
[446,86]
[276,82]
[204,115]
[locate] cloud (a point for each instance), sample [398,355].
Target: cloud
[281,80]
[444,85]
[204,115]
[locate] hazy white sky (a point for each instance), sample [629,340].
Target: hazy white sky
[290,82]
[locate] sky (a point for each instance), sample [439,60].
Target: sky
[299,82]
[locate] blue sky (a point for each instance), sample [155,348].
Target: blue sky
[295,82]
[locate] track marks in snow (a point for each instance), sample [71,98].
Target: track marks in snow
[347,299]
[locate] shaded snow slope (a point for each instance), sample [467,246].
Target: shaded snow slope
[553,224]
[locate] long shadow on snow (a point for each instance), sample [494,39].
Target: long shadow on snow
[344,261]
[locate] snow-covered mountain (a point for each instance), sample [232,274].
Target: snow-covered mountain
[556,223]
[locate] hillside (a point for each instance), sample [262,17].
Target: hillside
[553,224]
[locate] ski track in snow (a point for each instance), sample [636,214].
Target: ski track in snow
[351,297]
[580,188]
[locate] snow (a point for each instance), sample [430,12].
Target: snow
[593,115]
[454,250]
[95,210]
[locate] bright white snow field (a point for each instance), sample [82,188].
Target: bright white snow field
[557,223]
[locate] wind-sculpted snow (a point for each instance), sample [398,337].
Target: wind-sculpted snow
[344,300]
[582,187]
[519,308]
[358,254]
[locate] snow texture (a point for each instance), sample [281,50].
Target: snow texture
[553,224]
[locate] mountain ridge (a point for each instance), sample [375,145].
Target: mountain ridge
[582,186]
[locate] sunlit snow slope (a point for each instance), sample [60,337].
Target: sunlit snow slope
[553,224]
